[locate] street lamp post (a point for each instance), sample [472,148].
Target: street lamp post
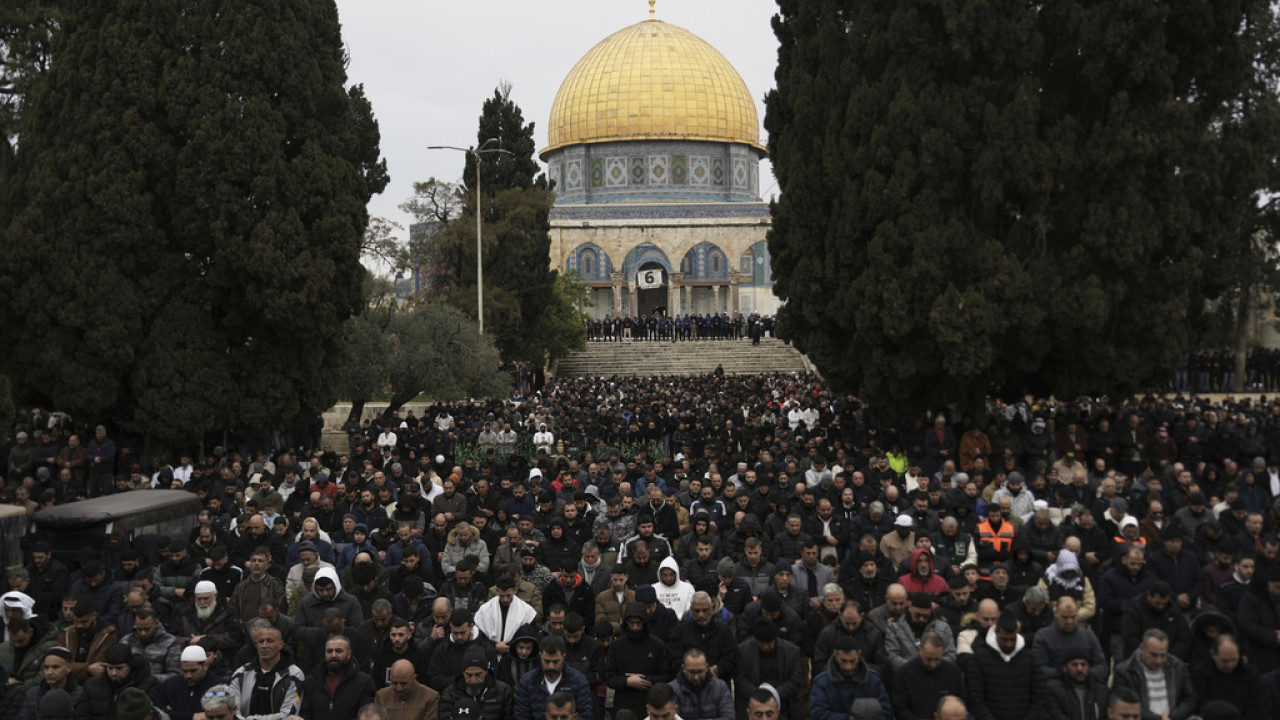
[479,243]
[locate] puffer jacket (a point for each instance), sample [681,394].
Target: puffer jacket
[311,607]
[1001,689]
[835,697]
[454,551]
[355,690]
[712,700]
[900,640]
[496,700]
[30,709]
[163,654]
[531,693]
[931,584]
[28,673]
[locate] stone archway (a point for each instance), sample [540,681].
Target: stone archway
[652,281]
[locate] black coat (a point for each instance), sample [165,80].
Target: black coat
[645,655]
[1259,621]
[1242,688]
[583,603]
[716,640]
[1000,690]
[355,690]
[1065,704]
[1140,617]
[790,667]
[916,691]
[100,697]
[497,700]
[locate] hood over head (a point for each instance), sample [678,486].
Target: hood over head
[915,558]
[331,574]
[669,563]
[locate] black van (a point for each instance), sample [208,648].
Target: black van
[107,524]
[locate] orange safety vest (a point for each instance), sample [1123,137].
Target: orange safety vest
[1139,542]
[1001,541]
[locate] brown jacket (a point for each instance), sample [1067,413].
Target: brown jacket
[70,639]
[423,703]
[607,607]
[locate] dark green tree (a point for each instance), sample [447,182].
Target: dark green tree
[520,299]
[189,203]
[991,196]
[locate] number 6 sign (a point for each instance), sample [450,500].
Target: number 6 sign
[648,279]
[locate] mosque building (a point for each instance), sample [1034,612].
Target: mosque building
[654,147]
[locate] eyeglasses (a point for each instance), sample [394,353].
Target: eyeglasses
[219,693]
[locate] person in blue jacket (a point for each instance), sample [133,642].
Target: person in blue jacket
[849,688]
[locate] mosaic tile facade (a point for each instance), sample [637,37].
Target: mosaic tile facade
[666,170]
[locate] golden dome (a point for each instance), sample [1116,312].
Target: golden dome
[653,81]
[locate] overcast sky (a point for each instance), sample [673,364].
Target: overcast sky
[428,66]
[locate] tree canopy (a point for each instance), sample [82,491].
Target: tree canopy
[402,350]
[184,215]
[530,319]
[996,196]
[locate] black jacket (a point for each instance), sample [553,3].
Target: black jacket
[446,660]
[495,701]
[1000,690]
[1259,621]
[355,690]
[645,654]
[1065,704]
[789,666]
[1242,688]
[1140,617]
[916,691]
[716,640]
[100,696]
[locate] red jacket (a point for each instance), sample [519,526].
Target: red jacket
[932,583]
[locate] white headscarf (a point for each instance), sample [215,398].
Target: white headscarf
[22,599]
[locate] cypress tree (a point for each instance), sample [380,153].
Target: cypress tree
[185,245]
[988,196]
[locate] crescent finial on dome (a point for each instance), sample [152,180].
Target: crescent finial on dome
[652,12]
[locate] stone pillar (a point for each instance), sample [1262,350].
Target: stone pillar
[715,299]
[735,277]
[617,294]
[675,291]
[633,300]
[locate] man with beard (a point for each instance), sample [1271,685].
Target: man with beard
[55,674]
[699,694]
[920,683]
[150,641]
[903,640]
[636,662]
[221,572]
[253,536]
[102,692]
[714,639]
[268,687]
[404,698]
[847,687]
[327,592]
[49,580]
[532,571]
[337,689]
[612,602]
[766,659]
[553,676]
[463,592]
[258,587]
[571,591]
[87,638]
[449,655]
[862,580]
[1226,677]
[1075,693]
[500,617]
[898,545]
[211,624]
[475,693]
[1004,680]
[852,622]
[181,694]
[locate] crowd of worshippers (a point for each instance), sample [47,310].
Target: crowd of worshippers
[686,327]
[795,557]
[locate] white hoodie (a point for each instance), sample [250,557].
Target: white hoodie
[675,596]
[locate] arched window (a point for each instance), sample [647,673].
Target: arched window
[587,263]
[717,264]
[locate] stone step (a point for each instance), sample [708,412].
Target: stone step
[640,358]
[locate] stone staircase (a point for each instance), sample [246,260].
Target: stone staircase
[645,358]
